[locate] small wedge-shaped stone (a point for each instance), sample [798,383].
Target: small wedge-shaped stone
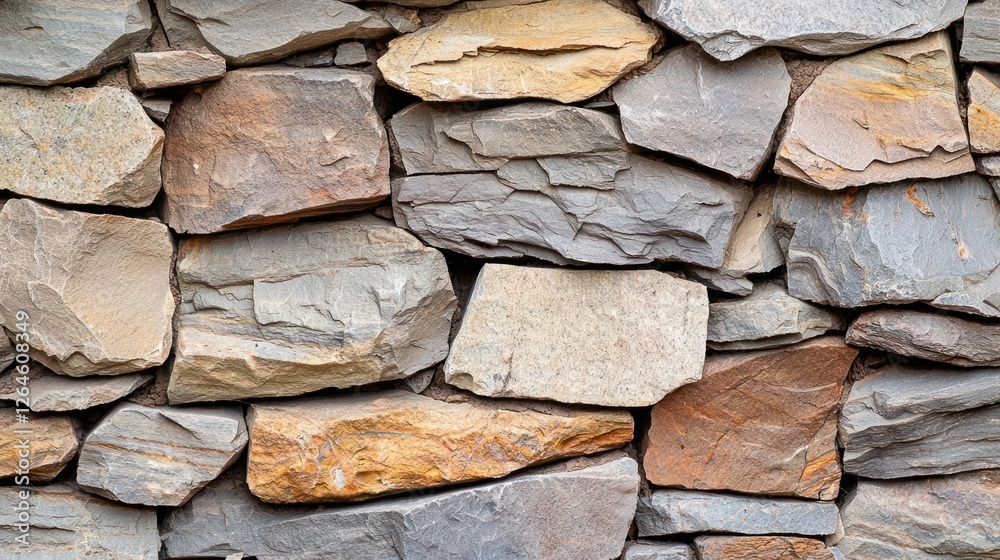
[95,287]
[568,511]
[263,31]
[395,441]
[659,551]
[940,518]
[292,309]
[984,111]
[761,548]
[500,53]
[159,456]
[51,392]
[929,336]
[274,144]
[70,524]
[885,115]
[721,115]
[579,336]
[154,70]
[757,422]
[980,42]
[49,441]
[45,42]
[78,146]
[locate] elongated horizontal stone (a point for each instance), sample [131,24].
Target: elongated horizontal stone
[155,70]
[979,38]
[984,110]
[52,443]
[51,392]
[664,551]
[939,338]
[760,548]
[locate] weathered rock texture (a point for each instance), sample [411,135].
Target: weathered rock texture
[50,441]
[885,115]
[940,338]
[579,336]
[7,353]
[984,111]
[665,551]
[78,146]
[761,548]
[292,309]
[155,70]
[274,144]
[979,32]
[96,287]
[51,392]
[757,422]
[564,50]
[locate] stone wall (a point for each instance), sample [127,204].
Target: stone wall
[500,280]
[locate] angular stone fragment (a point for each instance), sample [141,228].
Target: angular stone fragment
[155,70]
[932,241]
[274,144]
[267,30]
[288,310]
[500,53]
[939,338]
[668,512]
[567,511]
[729,30]
[159,456]
[68,523]
[659,551]
[96,288]
[78,146]
[390,442]
[182,33]
[158,108]
[984,110]
[980,42]
[721,115]
[51,392]
[989,165]
[351,54]
[923,519]
[7,353]
[53,442]
[45,42]
[885,115]
[758,422]
[579,336]
[761,548]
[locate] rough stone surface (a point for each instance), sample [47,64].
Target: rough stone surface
[728,30]
[939,338]
[984,110]
[159,456]
[7,353]
[579,336]
[96,288]
[390,442]
[980,42]
[351,54]
[757,422]
[989,165]
[941,518]
[721,115]
[52,442]
[158,108]
[665,551]
[274,144]
[292,309]
[498,52]
[155,70]
[935,241]
[78,146]
[885,115]
[567,511]
[761,548]
[51,392]
[45,42]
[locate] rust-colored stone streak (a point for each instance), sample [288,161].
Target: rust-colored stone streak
[53,443]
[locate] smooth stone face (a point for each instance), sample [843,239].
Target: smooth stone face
[68,523]
[579,336]
[274,144]
[984,110]
[288,310]
[78,146]
[154,70]
[498,52]
[261,31]
[159,456]
[761,548]
[931,241]
[923,519]
[51,392]
[885,115]
[53,442]
[980,42]
[728,30]
[666,551]
[96,288]
[669,512]
[568,511]
[757,422]
[939,338]
[720,115]
[390,442]
[45,42]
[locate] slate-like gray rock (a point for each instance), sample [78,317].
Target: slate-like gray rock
[728,30]
[182,33]
[159,456]
[568,511]
[936,241]
[659,551]
[51,392]
[989,165]
[721,115]
[70,524]
[45,42]
[980,41]
[929,336]
[668,512]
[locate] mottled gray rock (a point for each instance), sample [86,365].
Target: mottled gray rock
[44,42]
[51,392]
[980,41]
[989,165]
[159,456]
[70,524]
[158,108]
[351,54]
[721,115]
[567,511]
[936,337]
[936,241]
[659,551]
[728,30]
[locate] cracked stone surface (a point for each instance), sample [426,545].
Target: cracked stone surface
[155,70]
[51,392]
[928,336]
[52,443]
[980,42]
[664,551]
[760,548]
[984,110]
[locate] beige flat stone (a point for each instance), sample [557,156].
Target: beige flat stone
[155,70]
[52,443]
[984,111]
